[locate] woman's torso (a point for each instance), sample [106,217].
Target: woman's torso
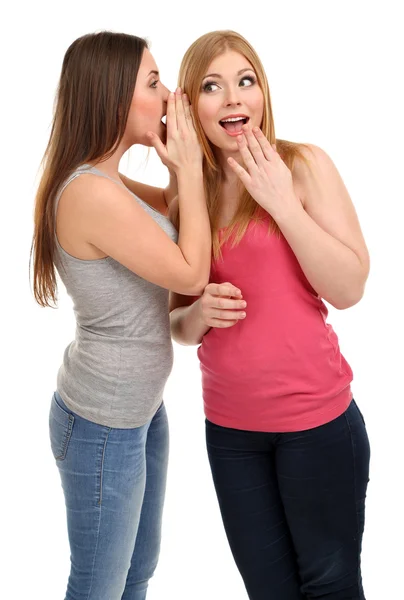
[115,370]
[279,369]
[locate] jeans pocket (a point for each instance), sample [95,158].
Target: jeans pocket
[60,429]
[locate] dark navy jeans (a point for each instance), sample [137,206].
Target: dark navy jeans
[293,507]
[114,483]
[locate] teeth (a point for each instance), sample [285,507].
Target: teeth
[234,120]
[164,119]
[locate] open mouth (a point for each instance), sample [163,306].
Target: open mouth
[164,120]
[233,125]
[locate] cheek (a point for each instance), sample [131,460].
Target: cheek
[145,108]
[206,116]
[259,104]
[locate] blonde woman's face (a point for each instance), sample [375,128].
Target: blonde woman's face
[229,97]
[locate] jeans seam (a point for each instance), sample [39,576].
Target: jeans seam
[95,554]
[100,512]
[102,466]
[356,496]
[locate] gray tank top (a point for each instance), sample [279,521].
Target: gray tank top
[115,370]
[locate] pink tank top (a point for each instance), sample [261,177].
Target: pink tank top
[280,369]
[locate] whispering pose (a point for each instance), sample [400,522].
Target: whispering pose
[286,441]
[115,250]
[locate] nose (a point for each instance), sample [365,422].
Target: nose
[165,92]
[232,97]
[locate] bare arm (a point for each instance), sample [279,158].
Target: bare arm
[326,236]
[187,326]
[159,198]
[113,222]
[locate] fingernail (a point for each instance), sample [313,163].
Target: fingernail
[256,129]
[242,315]
[178,90]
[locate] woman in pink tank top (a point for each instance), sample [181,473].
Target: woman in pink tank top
[287,443]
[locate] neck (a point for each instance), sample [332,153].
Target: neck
[110,166]
[229,176]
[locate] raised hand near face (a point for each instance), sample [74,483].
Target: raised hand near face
[265,175]
[182,149]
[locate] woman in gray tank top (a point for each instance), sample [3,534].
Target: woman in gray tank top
[117,253]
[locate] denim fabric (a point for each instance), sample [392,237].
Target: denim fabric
[293,507]
[114,485]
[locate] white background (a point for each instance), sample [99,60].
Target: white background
[335,69]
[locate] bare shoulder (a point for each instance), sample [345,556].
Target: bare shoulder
[314,171]
[83,202]
[312,162]
[309,161]
[327,200]
[87,190]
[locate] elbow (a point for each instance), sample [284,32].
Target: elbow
[349,300]
[197,286]
[191,288]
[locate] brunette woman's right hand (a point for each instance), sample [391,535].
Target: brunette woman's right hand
[182,150]
[222,305]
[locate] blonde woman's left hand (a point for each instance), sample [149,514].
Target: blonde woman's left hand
[265,176]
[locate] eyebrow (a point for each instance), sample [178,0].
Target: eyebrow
[153,73]
[218,76]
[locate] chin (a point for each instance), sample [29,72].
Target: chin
[231,146]
[227,143]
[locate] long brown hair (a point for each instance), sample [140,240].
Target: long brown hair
[192,71]
[92,104]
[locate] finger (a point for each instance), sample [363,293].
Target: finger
[220,323]
[266,147]
[157,144]
[226,315]
[221,302]
[253,146]
[240,172]
[187,112]
[171,115]
[223,289]
[179,108]
[246,155]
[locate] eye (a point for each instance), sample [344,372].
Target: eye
[248,81]
[154,84]
[209,86]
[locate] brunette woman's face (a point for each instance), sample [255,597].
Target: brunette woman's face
[230,96]
[149,103]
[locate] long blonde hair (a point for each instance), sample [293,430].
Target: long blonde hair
[192,71]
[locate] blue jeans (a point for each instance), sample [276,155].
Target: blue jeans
[293,506]
[114,484]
